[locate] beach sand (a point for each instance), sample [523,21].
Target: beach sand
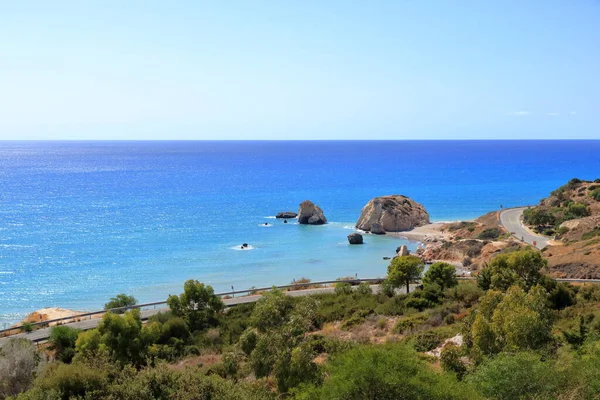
[49,313]
[422,233]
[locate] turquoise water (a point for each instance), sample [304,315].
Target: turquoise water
[82,221]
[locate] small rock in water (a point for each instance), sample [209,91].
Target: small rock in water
[387,258]
[286,214]
[285,221]
[245,245]
[355,238]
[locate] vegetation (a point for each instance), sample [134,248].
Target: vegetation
[404,270]
[120,300]
[524,336]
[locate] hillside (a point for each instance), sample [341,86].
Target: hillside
[570,215]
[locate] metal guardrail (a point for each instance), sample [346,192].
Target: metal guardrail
[76,318]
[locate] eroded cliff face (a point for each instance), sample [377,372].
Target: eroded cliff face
[395,213]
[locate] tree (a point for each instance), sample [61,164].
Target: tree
[404,270]
[197,305]
[520,267]
[120,300]
[512,321]
[62,341]
[538,217]
[442,274]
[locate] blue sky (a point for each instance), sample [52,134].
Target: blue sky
[300,69]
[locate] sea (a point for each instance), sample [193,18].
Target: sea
[83,221]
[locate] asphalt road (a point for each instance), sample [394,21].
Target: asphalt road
[41,335]
[511,220]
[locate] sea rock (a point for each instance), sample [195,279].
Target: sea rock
[311,214]
[355,238]
[395,213]
[402,251]
[286,214]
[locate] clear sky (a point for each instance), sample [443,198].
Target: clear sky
[317,69]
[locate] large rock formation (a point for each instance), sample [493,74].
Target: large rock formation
[395,213]
[311,214]
[286,215]
[355,238]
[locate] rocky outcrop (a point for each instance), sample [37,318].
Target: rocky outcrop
[377,229]
[402,251]
[311,214]
[395,213]
[286,215]
[355,238]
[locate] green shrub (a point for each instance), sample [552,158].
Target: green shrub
[364,288]
[393,306]
[426,341]
[75,381]
[409,324]
[62,341]
[490,234]
[383,372]
[595,194]
[465,292]
[27,326]
[517,376]
[451,362]
[342,288]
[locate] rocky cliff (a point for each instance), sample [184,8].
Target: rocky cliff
[395,213]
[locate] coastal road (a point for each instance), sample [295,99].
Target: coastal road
[511,219]
[41,335]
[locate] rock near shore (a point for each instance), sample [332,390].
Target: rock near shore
[395,213]
[311,214]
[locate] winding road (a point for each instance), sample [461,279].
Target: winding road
[511,220]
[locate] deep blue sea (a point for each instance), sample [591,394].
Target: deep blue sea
[83,221]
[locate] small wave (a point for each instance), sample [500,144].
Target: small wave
[271,217]
[240,248]
[6,272]
[265,225]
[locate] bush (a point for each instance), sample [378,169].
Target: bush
[62,341]
[451,362]
[517,376]
[595,194]
[490,234]
[393,306]
[466,292]
[120,300]
[342,288]
[74,381]
[427,341]
[364,288]
[19,363]
[27,326]
[372,372]
[591,234]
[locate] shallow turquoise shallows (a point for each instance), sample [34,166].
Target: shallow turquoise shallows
[83,221]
